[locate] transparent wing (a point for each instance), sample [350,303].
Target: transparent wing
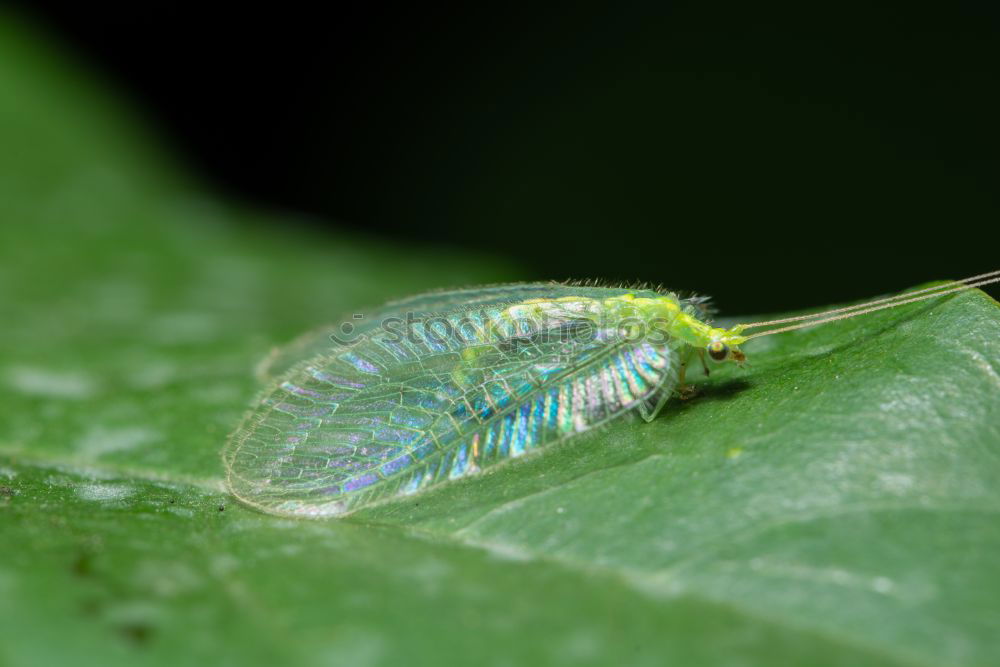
[394,413]
[350,328]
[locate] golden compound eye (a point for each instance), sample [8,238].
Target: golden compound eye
[718,350]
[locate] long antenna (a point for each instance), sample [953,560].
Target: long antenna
[872,306]
[897,297]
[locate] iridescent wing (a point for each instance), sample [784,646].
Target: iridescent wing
[403,410]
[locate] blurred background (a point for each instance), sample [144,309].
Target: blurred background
[775,158]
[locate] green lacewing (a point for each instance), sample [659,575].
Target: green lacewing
[441,386]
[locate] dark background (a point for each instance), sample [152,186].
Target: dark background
[775,157]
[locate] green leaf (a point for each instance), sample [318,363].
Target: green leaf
[836,503]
